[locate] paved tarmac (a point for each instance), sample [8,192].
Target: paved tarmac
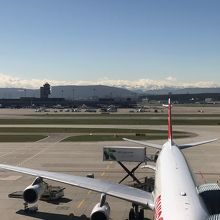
[71,158]
[81,159]
[86,157]
[179,109]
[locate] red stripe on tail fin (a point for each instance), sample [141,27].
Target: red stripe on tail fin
[170,133]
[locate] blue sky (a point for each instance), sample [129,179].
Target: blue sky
[92,40]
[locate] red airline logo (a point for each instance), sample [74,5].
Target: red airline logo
[158,209]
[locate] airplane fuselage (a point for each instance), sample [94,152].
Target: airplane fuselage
[176,196]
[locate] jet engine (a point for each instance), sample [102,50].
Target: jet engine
[34,192]
[101,211]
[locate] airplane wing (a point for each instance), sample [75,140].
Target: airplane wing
[144,143]
[113,189]
[183,146]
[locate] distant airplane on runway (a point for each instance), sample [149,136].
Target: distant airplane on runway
[175,195]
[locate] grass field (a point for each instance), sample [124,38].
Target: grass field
[15,134]
[119,121]
[21,138]
[147,115]
[78,130]
[25,134]
[118,137]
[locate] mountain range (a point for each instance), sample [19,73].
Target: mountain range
[166,91]
[97,91]
[69,92]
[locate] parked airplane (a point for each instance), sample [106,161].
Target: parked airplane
[175,196]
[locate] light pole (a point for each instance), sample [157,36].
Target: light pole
[62,93]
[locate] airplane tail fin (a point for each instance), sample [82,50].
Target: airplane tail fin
[170,132]
[170,135]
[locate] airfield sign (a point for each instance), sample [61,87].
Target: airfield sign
[124,154]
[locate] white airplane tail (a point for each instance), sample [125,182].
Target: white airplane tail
[170,135]
[170,132]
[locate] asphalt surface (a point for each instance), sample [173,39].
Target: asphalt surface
[81,159]
[71,158]
[84,158]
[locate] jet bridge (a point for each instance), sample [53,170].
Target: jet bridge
[122,154]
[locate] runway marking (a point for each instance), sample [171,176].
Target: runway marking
[11,178]
[30,158]
[80,204]
[42,140]
[90,191]
[7,154]
[63,138]
[37,154]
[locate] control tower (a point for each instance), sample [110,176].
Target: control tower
[45,91]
